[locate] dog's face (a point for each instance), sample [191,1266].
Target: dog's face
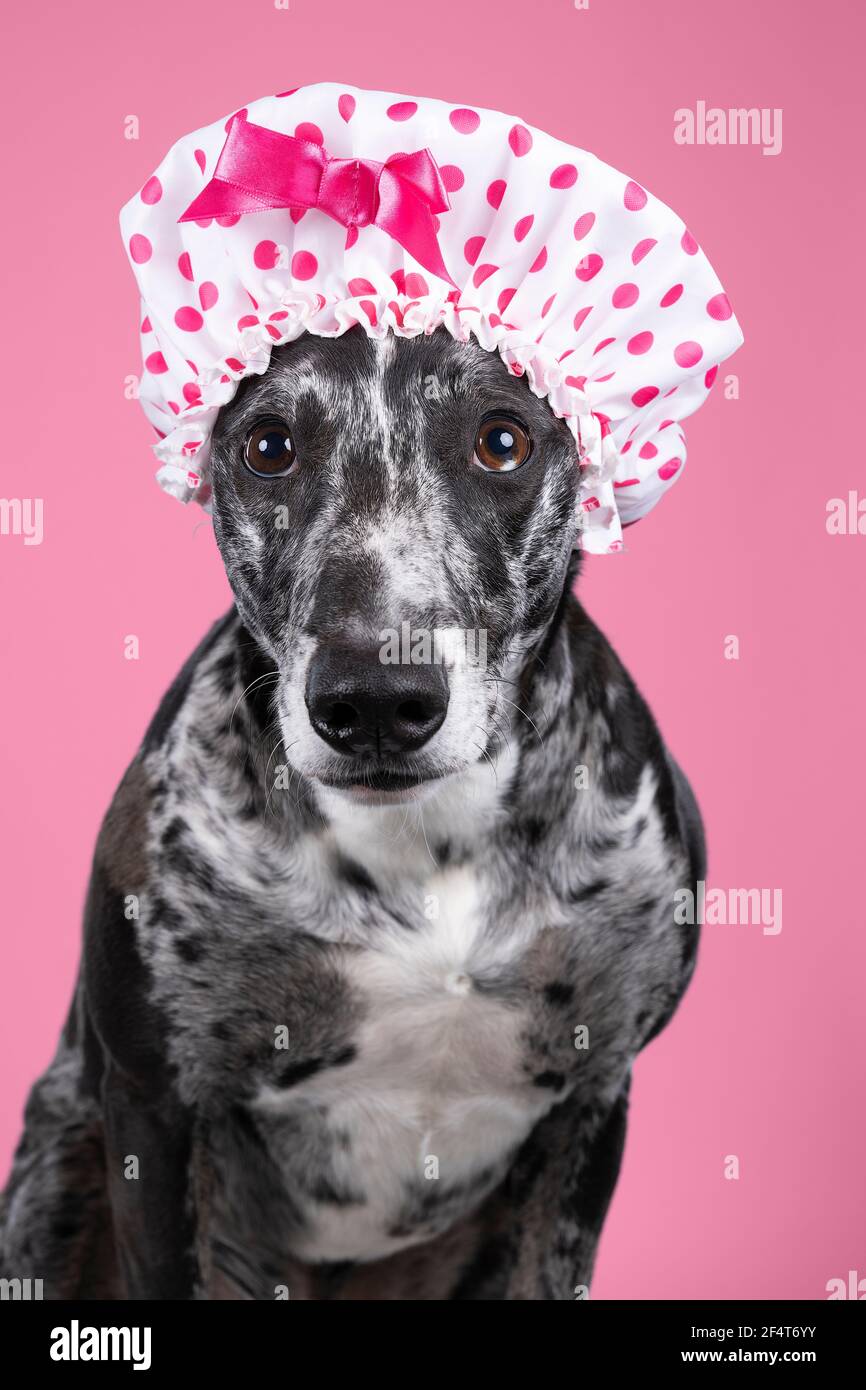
[397,519]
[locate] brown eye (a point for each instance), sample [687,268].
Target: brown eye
[269,451]
[501,444]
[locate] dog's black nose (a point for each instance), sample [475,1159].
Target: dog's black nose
[360,704]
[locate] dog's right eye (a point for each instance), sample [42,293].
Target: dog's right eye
[269,451]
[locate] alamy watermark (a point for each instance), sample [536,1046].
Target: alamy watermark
[20,1290]
[714,125]
[721,907]
[22,516]
[421,646]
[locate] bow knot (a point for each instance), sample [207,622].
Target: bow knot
[260,169]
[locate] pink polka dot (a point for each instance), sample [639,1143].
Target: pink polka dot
[496,192]
[522,227]
[189,319]
[563,176]
[483,273]
[589,267]
[540,261]
[581,316]
[505,299]
[520,140]
[634,196]
[624,296]
[152,191]
[710,377]
[289,93]
[548,304]
[642,249]
[464,120]
[296,214]
[370,310]
[156,363]
[208,294]
[346,106]
[452,177]
[235,364]
[203,221]
[641,342]
[647,451]
[688,354]
[200,159]
[644,394]
[583,225]
[416,286]
[688,243]
[668,469]
[304,265]
[192,393]
[671,297]
[472,249]
[266,255]
[308,131]
[184,265]
[719,307]
[229,220]
[146,325]
[605,342]
[140,248]
[402,110]
[360,286]
[626,482]
[351,237]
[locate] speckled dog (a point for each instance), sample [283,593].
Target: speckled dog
[370,945]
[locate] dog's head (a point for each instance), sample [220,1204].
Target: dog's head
[397,520]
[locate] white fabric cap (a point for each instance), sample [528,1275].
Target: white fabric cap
[578,277]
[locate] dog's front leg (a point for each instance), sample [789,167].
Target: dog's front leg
[147,1148]
[147,1127]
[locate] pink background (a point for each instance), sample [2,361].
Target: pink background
[766,1058]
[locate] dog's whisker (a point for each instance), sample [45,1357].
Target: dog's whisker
[272,676]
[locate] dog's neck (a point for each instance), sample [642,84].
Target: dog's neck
[443,823]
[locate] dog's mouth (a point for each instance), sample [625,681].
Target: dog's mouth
[378,785]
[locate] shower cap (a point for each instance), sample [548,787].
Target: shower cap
[326,207]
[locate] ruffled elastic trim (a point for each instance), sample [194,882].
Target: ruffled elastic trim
[184,451]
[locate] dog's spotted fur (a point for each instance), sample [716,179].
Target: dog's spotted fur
[430,1130]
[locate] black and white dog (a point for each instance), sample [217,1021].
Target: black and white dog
[370,943]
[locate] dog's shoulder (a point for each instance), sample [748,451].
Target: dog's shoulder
[615,728]
[126,881]
[220,643]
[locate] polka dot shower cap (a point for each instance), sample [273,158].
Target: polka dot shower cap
[325,207]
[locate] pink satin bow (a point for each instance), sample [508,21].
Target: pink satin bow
[259,169]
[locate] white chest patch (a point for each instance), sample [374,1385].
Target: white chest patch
[435,1099]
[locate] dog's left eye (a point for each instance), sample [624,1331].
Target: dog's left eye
[269,451]
[501,444]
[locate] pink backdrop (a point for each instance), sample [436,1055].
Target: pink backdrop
[765,1059]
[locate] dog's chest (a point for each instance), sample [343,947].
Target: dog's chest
[391,1145]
